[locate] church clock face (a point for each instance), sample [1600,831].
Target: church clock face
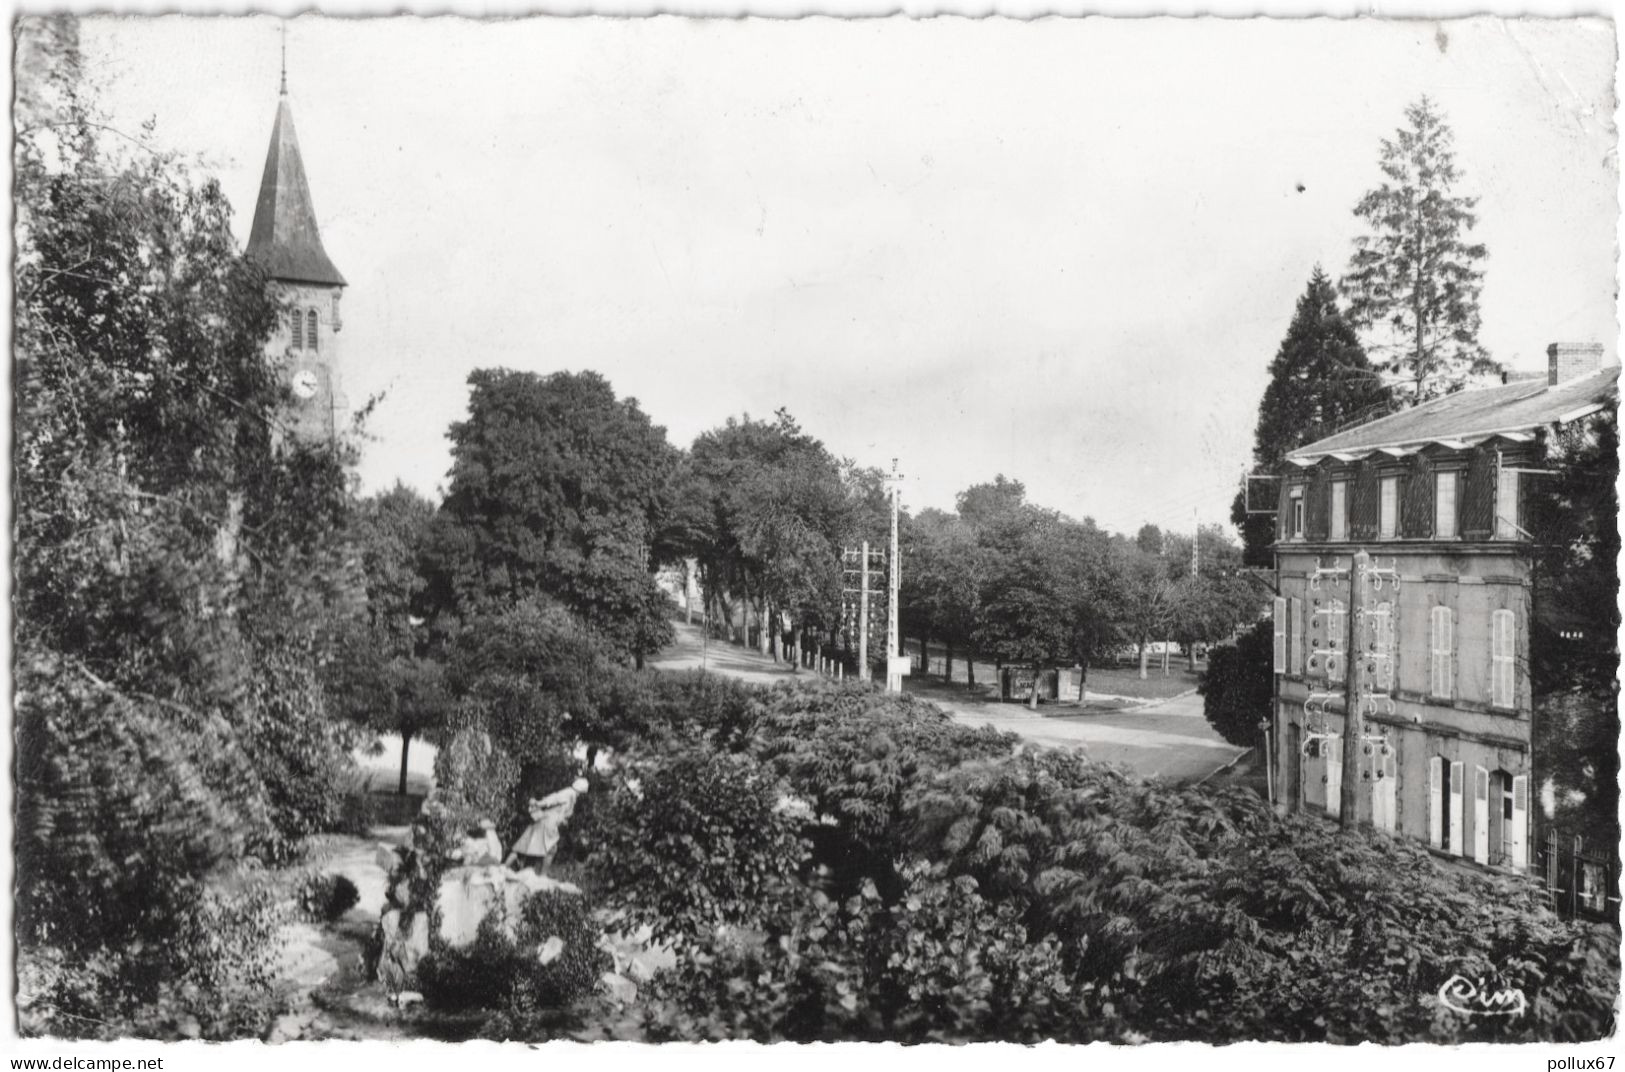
[304,385]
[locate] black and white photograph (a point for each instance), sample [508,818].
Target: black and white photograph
[932,530]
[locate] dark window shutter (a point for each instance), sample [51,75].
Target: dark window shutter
[1476,504]
[1317,522]
[1365,502]
[1416,507]
[1283,519]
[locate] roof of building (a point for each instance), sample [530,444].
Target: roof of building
[284,239]
[1513,409]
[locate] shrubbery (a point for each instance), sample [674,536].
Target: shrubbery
[521,972]
[325,898]
[984,895]
[1238,687]
[694,840]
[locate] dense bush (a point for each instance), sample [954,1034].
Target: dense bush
[325,898]
[941,964]
[1238,687]
[550,959]
[694,840]
[1042,895]
[860,758]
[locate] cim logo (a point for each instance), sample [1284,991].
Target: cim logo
[1473,997]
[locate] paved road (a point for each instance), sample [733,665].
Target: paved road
[1168,739]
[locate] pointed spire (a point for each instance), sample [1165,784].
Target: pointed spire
[284,91]
[284,238]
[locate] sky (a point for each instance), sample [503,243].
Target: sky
[1062,250]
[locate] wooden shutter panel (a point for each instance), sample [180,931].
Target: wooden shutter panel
[1280,635]
[1502,676]
[1519,839]
[1334,776]
[298,330]
[1294,639]
[1317,505]
[1365,501]
[1457,775]
[1283,517]
[1481,815]
[1476,509]
[1416,500]
[1435,802]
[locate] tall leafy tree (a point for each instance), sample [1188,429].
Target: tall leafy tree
[557,488]
[1320,380]
[395,682]
[941,584]
[1415,277]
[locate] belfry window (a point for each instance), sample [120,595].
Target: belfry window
[310,330]
[298,330]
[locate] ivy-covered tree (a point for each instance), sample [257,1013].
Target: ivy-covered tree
[1320,380]
[1415,277]
[181,575]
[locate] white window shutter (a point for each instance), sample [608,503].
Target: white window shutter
[1481,815]
[1435,802]
[1506,505]
[1280,635]
[1340,517]
[1444,503]
[1503,678]
[1385,793]
[1457,775]
[1519,838]
[1389,508]
[1295,637]
[1441,682]
[1334,776]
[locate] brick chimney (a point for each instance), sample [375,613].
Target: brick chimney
[1570,360]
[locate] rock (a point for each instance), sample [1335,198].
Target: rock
[620,989]
[549,950]
[407,998]
[401,949]
[468,894]
[287,1027]
[386,857]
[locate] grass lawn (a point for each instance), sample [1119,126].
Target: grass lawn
[1125,681]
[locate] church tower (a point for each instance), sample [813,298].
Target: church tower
[285,242]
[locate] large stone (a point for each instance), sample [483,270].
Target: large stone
[402,947]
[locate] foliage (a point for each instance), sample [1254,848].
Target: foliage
[695,840]
[181,577]
[778,508]
[940,964]
[390,678]
[325,898]
[509,965]
[533,677]
[1414,277]
[1320,381]
[475,779]
[1574,515]
[1238,689]
[941,589]
[859,757]
[558,489]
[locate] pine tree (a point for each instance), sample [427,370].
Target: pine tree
[1414,280]
[1320,380]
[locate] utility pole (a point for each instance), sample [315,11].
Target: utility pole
[1353,695]
[895,667]
[863,619]
[1196,547]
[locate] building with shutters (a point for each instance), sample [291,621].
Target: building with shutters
[1435,494]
